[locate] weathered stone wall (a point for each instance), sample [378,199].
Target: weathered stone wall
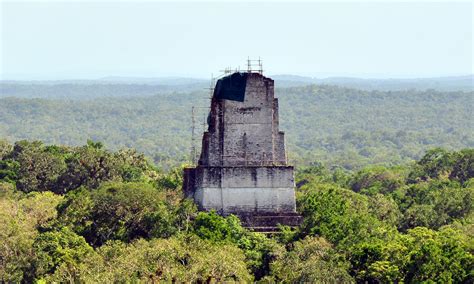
[245,133]
[244,189]
[243,168]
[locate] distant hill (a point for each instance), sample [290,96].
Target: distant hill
[90,89]
[162,81]
[166,81]
[459,83]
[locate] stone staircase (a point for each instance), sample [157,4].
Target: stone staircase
[268,222]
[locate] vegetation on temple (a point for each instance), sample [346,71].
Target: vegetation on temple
[87,214]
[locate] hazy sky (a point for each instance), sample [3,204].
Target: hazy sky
[62,40]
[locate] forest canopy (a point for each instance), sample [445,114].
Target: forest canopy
[384,183]
[88,214]
[338,126]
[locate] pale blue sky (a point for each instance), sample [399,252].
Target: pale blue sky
[64,40]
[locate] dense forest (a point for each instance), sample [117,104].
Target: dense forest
[87,214]
[338,126]
[385,185]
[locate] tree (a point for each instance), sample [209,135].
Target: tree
[312,260]
[434,203]
[463,168]
[89,166]
[173,180]
[368,260]
[17,232]
[417,256]
[259,250]
[435,163]
[58,248]
[118,211]
[135,167]
[5,149]
[186,210]
[374,180]
[385,209]
[213,227]
[437,256]
[339,215]
[75,211]
[184,258]
[419,215]
[19,218]
[39,169]
[9,170]
[41,206]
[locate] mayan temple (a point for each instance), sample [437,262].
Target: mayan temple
[243,167]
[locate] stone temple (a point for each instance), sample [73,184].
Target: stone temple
[243,167]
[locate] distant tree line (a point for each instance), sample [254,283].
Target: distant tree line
[338,126]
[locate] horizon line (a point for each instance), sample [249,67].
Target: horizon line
[314,76]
